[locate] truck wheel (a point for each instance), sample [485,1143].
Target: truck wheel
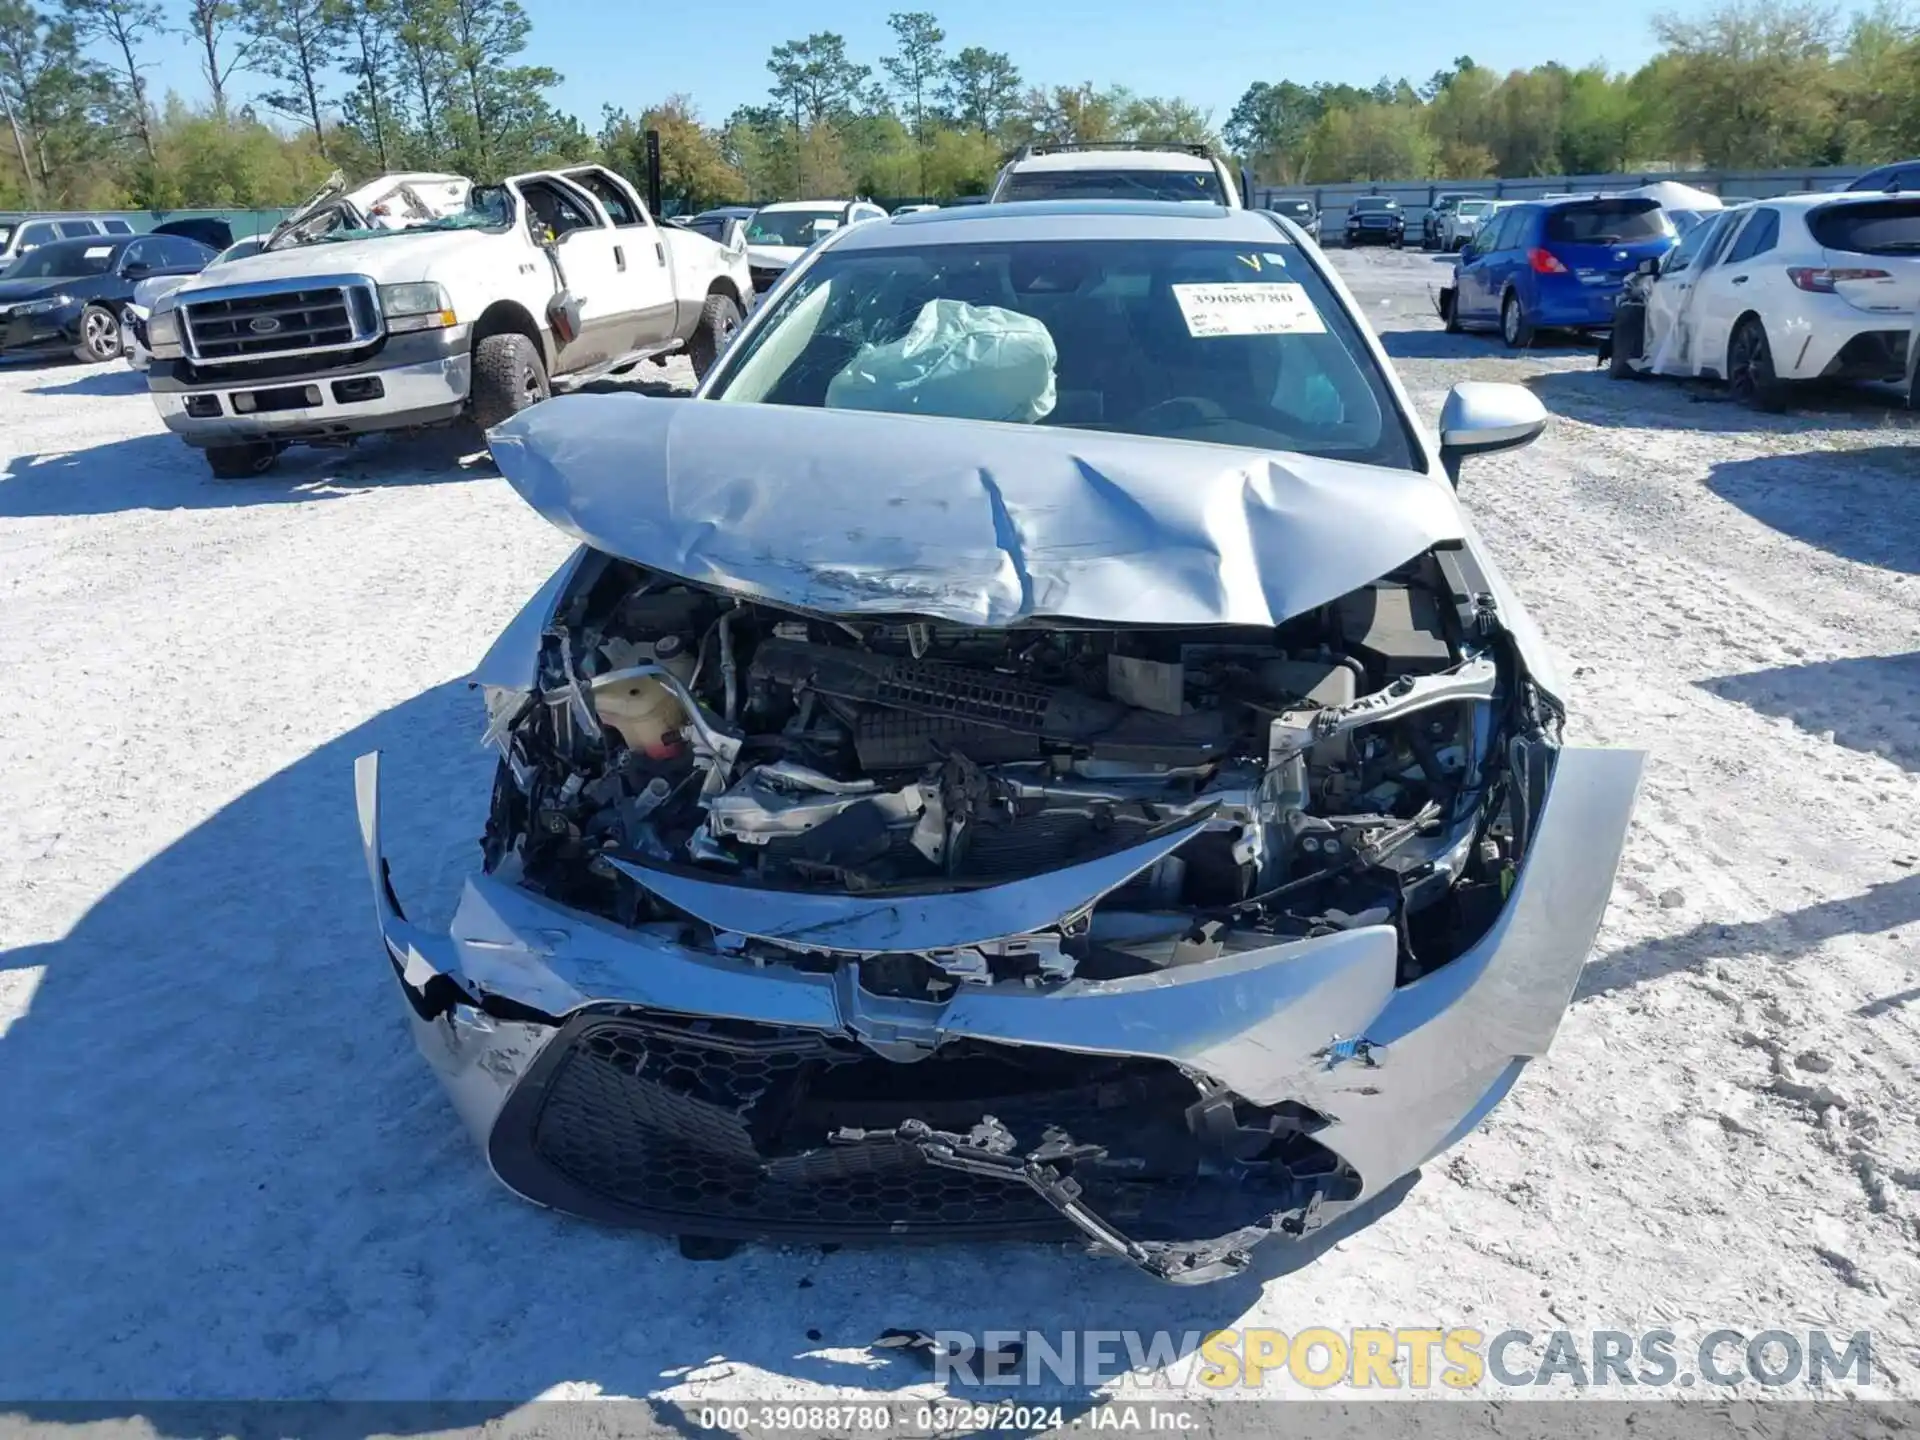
[507,377]
[719,320]
[100,337]
[242,462]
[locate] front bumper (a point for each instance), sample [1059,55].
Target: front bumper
[53,332]
[622,1075]
[421,380]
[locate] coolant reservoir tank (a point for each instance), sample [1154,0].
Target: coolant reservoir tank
[647,714]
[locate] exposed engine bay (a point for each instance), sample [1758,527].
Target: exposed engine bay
[1371,762]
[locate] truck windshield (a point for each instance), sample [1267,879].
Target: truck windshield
[1234,344]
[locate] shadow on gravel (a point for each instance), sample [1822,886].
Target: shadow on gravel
[1654,404]
[1870,704]
[115,379]
[1879,908]
[159,472]
[229,1174]
[1861,504]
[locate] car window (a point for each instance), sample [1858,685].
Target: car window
[619,208]
[116,227]
[177,252]
[1216,342]
[76,229]
[1606,222]
[1872,227]
[554,211]
[37,232]
[1759,235]
[240,249]
[1695,241]
[6,234]
[1469,209]
[64,258]
[1501,234]
[1113,183]
[142,252]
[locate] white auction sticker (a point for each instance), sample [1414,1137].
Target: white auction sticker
[98,252]
[1248,309]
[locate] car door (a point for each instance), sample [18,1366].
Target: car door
[1470,270]
[1732,284]
[1691,355]
[640,254]
[579,238]
[1492,263]
[1672,289]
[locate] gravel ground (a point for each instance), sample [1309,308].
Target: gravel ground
[226,1172]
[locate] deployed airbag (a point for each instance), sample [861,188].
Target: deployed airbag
[967,362]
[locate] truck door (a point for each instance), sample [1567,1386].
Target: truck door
[647,273]
[583,242]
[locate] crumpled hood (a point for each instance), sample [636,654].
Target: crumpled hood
[390,259]
[843,512]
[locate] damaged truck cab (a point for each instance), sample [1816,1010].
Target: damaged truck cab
[418,301]
[1166,844]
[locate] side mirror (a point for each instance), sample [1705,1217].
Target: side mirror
[136,270]
[1481,417]
[1649,266]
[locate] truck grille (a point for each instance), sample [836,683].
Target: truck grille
[246,322]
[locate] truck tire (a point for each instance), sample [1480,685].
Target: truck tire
[508,376]
[242,462]
[719,319]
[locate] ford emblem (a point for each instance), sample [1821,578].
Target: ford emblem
[265,325]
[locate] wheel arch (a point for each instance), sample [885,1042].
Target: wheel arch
[1734,329]
[723,285]
[509,317]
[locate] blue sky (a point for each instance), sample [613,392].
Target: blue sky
[631,54]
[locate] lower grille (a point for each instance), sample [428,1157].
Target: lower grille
[245,324]
[721,1128]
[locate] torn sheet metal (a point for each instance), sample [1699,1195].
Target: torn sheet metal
[858,513]
[862,925]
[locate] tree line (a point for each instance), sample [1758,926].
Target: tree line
[295,88]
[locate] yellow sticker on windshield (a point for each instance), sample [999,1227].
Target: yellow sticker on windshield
[1240,309]
[1252,262]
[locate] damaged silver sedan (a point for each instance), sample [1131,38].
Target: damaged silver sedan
[1033,750]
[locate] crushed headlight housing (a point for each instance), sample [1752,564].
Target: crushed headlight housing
[163,330]
[422,305]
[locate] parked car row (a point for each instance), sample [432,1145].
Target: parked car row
[1763,295]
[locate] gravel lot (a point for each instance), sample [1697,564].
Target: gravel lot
[226,1173]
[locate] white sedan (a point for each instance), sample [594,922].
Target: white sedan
[1803,287]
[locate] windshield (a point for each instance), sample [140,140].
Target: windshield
[239,250]
[1113,184]
[1230,344]
[1374,203]
[1294,208]
[794,227]
[1607,222]
[1471,209]
[64,258]
[1878,227]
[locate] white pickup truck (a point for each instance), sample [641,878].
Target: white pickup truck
[425,300]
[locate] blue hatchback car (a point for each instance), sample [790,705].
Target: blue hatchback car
[1554,264]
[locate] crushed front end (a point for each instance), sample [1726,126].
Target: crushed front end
[805,926]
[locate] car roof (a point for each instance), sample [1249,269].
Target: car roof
[1814,198]
[1177,160]
[805,205]
[1065,220]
